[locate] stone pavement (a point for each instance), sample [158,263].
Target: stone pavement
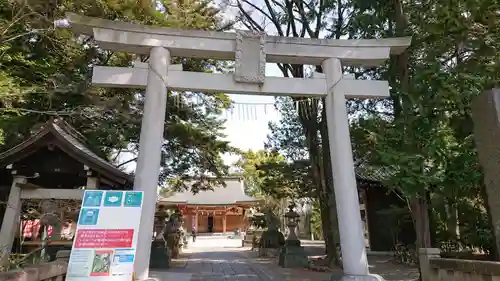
[220,259]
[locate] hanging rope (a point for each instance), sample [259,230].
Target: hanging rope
[247,111]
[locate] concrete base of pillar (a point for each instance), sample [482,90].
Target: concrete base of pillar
[162,275]
[370,277]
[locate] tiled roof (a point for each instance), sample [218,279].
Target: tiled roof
[233,193]
[372,173]
[81,147]
[68,136]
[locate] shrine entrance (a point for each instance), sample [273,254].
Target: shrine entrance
[250,52]
[220,210]
[210,224]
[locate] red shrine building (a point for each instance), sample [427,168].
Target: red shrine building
[220,210]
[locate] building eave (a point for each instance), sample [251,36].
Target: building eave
[67,143]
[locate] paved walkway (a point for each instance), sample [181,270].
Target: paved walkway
[219,259]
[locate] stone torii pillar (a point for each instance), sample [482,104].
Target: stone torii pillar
[352,240]
[355,264]
[250,51]
[150,142]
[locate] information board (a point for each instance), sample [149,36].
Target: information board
[105,242]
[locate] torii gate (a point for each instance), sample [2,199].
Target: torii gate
[250,51]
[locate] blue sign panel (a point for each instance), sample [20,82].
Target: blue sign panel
[88,216]
[113,199]
[92,198]
[133,199]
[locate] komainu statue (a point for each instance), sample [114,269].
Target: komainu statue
[272,238]
[172,235]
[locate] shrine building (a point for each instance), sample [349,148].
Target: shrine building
[43,178]
[220,210]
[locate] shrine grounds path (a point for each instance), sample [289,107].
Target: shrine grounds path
[222,259]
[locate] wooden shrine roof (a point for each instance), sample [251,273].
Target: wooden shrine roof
[62,135]
[232,194]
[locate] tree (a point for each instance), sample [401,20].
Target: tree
[45,72]
[424,129]
[267,173]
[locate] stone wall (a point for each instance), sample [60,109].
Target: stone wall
[435,268]
[51,271]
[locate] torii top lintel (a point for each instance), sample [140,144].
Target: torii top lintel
[139,39]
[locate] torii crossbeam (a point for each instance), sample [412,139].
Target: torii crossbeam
[250,51]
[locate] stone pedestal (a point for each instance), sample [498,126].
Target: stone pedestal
[369,277]
[424,256]
[159,257]
[269,252]
[293,256]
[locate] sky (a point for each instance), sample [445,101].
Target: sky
[246,130]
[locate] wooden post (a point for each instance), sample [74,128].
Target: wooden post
[196,219]
[364,207]
[224,216]
[92,183]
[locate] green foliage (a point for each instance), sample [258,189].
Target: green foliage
[258,178]
[45,72]
[423,133]
[316,228]
[267,217]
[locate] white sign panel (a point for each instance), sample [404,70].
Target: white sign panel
[106,236]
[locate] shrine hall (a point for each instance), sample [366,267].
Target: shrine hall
[220,210]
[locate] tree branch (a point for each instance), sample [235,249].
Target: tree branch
[127,162]
[248,17]
[274,19]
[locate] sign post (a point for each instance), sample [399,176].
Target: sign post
[105,242]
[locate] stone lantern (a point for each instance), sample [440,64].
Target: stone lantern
[292,220]
[292,254]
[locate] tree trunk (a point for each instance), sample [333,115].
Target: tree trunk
[420,217]
[325,225]
[324,196]
[308,117]
[452,221]
[328,186]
